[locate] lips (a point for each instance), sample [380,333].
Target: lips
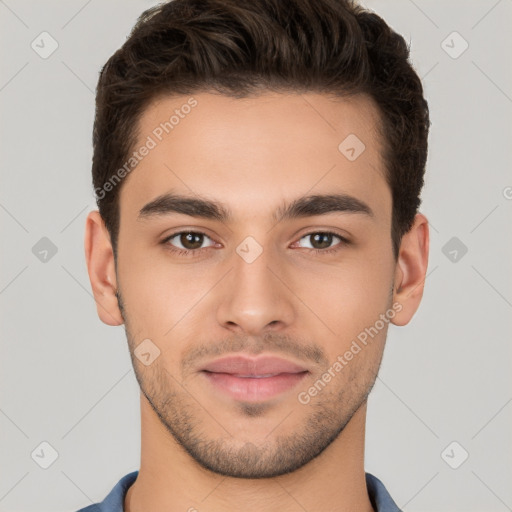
[253,379]
[243,366]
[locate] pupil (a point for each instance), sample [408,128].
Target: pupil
[327,239]
[187,238]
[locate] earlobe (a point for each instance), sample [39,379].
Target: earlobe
[99,257]
[411,269]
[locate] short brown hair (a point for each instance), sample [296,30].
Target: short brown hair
[241,48]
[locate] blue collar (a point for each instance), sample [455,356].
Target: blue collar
[114,502]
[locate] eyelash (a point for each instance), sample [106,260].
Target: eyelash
[195,252]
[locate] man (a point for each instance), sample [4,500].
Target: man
[258,167]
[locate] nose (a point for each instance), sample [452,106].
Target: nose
[255,296]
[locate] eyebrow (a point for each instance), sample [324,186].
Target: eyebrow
[305,206]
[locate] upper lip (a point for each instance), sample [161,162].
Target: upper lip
[244,365]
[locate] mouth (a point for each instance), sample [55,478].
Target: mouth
[253,379]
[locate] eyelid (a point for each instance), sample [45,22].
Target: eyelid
[333,231]
[188,231]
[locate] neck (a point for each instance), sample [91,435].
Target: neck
[170,480]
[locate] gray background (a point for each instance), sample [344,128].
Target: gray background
[66,378]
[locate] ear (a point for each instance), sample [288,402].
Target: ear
[411,269]
[99,257]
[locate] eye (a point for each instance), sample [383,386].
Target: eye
[189,242]
[321,241]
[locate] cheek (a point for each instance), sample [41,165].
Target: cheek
[348,297]
[158,293]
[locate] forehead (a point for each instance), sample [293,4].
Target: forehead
[255,152]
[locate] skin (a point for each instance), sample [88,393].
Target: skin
[253,155]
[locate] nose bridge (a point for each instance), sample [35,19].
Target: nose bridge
[253,297]
[251,264]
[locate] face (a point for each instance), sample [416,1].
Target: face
[262,308]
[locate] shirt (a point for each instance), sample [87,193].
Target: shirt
[379,497]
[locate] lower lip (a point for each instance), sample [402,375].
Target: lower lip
[254,389]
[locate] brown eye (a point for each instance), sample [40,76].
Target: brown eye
[324,240]
[321,240]
[191,240]
[187,240]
